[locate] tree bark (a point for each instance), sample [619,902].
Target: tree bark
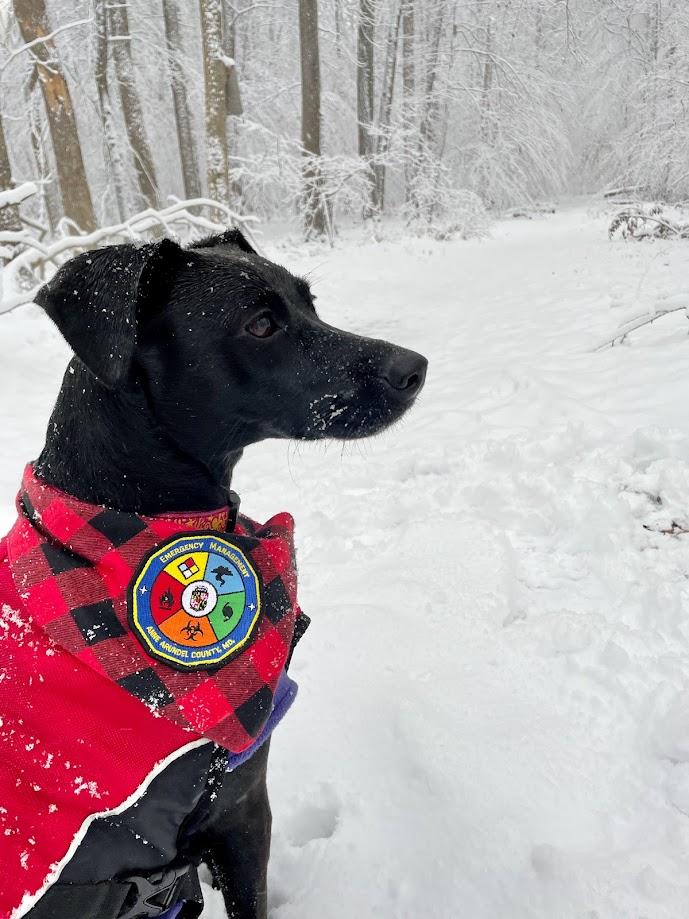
[216,103]
[76,196]
[9,215]
[314,208]
[178,83]
[120,41]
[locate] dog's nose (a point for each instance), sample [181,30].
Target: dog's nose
[406,372]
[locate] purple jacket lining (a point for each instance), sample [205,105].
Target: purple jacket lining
[285,694]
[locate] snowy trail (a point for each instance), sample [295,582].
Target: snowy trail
[494,709]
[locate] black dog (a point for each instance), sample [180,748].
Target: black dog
[182,359]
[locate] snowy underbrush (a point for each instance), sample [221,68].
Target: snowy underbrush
[456,214]
[651,220]
[271,178]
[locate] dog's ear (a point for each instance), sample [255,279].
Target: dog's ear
[98,300]
[231,237]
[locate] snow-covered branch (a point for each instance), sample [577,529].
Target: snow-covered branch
[33,261]
[14,196]
[677,304]
[42,40]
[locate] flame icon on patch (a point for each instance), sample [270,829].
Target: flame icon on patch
[166,600]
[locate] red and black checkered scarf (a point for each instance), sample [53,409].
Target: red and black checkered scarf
[74,564]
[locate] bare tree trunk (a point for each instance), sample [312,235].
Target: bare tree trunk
[216,103]
[233,94]
[364,88]
[9,215]
[76,197]
[178,83]
[385,111]
[338,29]
[364,74]
[408,96]
[229,43]
[315,211]
[233,97]
[49,192]
[656,25]
[432,69]
[488,65]
[487,102]
[538,34]
[427,160]
[110,134]
[441,120]
[121,43]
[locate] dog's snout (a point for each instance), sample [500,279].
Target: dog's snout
[406,372]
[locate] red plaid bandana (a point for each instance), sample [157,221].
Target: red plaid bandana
[194,621]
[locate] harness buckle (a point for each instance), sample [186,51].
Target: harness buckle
[155,893]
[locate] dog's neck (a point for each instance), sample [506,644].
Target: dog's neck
[104,446]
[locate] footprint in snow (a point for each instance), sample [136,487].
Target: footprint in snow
[314,819]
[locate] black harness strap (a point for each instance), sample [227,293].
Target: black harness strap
[87,901]
[134,897]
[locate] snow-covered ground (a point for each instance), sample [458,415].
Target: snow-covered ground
[494,711]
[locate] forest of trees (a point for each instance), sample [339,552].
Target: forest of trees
[324,109]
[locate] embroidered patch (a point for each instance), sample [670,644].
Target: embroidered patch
[195,602]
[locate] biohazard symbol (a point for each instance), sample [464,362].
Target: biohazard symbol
[192,630]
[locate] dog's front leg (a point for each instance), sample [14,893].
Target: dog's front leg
[237,838]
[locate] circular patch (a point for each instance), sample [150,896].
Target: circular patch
[195,602]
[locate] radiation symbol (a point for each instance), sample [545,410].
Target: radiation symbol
[195,602]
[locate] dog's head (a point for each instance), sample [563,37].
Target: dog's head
[226,345]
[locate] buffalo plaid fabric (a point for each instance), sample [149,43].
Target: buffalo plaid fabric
[73,562]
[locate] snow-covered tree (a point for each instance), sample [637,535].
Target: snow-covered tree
[339,108]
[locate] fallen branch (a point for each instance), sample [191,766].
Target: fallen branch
[622,190]
[637,323]
[675,529]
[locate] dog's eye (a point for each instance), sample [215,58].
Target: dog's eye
[262,326]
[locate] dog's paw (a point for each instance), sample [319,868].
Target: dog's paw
[316,818]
